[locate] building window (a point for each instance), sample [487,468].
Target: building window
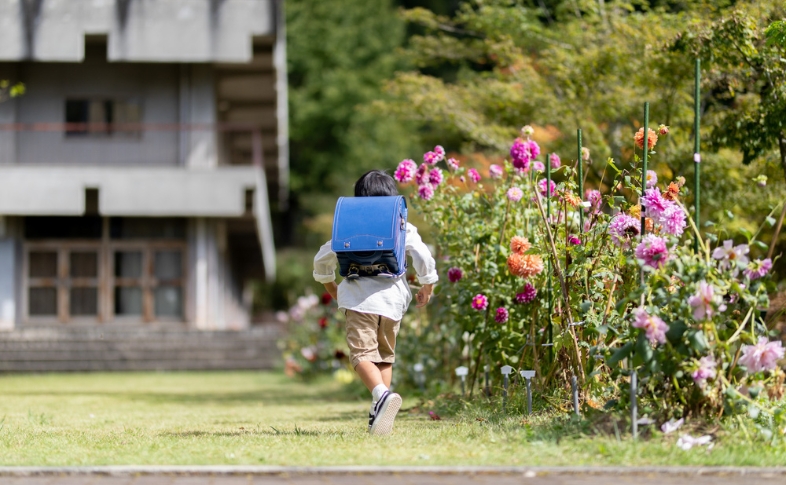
[136,270]
[86,116]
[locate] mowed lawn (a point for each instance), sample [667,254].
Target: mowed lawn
[254,418]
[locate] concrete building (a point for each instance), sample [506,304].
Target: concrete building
[139,170]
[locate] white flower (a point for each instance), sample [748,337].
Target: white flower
[730,256]
[671,425]
[687,441]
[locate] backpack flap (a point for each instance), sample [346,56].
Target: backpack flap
[368,224]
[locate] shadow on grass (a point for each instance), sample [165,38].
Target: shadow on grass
[253,432]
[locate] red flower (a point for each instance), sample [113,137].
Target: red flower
[323,323]
[326,298]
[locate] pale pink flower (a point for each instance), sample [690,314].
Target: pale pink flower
[527,130]
[585,154]
[705,371]
[435,176]
[757,269]
[555,161]
[515,194]
[652,178]
[480,302]
[452,163]
[594,198]
[672,220]
[495,171]
[762,356]
[653,250]
[426,191]
[473,175]
[552,187]
[405,171]
[623,228]
[654,328]
[538,166]
[730,256]
[705,301]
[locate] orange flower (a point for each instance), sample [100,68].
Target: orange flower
[519,244]
[673,192]
[652,138]
[525,265]
[572,199]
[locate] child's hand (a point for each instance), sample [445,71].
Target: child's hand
[424,295]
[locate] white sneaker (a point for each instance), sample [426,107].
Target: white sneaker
[381,423]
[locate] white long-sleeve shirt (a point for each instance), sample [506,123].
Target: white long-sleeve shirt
[388,297]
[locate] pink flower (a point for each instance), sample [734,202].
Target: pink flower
[653,326]
[653,251]
[574,240]
[520,154]
[654,203]
[435,176]
[652,178]
[757,269]
[527,130]
[431,158]
[585,154]
[555,161]
[762,356]
[480,302]
[426,191]
[623,228]
[552,187]
[672,220]
[421,175]
[538,166]
[495,171]
[405,171]
[452,163]
[527,294]
[704,302]
[502,315]
[440,152]
[473,175]
[705,371]
[594,198]
[534,149]
[455,274]
[515,194]
[730,256]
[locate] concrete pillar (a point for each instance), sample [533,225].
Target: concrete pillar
[8,294]
[202,150]
[201,274]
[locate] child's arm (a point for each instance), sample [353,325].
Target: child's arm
[424,264]
[325,263]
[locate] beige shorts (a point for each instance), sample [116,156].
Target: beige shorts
[371,338]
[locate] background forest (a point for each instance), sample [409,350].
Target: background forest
[372,83]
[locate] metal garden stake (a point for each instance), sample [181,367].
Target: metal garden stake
[634,409]
[696,151]
[462,372]
[548,221]
[528,375]
[506,371]
[644,161]
[581,183]
[487,388]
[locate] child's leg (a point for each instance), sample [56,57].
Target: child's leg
[386,370]
[370,374]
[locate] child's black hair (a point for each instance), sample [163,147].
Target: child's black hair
[375,183]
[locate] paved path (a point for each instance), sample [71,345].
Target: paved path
[386,476]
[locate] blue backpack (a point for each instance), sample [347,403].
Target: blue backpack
[370,236]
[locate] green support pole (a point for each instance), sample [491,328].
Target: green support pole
[548,221]
[581,184]
[696,152]
[644,160]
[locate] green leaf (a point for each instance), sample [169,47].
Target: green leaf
[698,341]
[760,244]
[621,353]
[770,221]
[644,348]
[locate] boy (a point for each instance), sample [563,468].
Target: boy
[374,306]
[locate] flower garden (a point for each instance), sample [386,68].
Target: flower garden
[539,273]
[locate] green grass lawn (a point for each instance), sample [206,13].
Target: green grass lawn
[255,418]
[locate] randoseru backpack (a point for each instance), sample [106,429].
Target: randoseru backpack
[370,236]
